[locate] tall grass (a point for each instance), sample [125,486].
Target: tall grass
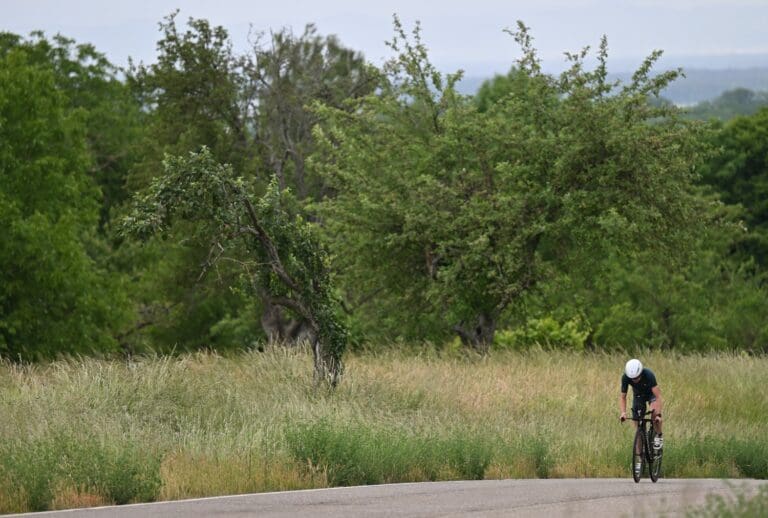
[739,505]
[85,432]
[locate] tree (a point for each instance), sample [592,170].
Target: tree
[288,75]
[250,111]
[54,296]
[90,85]
[494,90]
[712,300]
[454,214]
[196,96]
[739,174]
[278,252]
[730,104]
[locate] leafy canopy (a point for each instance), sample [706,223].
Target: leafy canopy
[447,214]
[278,251]
[54,297]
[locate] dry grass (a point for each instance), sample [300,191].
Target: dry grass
[202,425]
[186,475]
[69,497]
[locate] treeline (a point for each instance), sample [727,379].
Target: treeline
[729,104]
[216,199]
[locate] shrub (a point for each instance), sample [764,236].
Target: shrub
[738,506]
[749,457]
[121,472]
[353,454]
[546,332]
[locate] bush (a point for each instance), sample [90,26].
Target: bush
[546,332]
[119,472]
[749,457]
[353,454]
[740,506]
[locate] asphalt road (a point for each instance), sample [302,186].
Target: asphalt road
[491,498]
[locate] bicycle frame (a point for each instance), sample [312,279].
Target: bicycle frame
[642,441]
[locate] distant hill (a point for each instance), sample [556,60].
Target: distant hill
[730,104]
[700,85]
[697,86]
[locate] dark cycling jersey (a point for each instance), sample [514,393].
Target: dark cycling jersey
[643,387]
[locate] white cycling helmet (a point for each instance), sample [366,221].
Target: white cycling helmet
[633,368]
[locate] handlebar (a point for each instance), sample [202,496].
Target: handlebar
[637,417]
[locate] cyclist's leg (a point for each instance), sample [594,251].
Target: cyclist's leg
[638,410]
[654,412]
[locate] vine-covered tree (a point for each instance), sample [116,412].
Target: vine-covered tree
[446,215]
[251,111]
[278,253]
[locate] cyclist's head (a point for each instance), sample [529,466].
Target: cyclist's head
[633,369]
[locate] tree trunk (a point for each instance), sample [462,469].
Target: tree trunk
[327,368]
[479,336]
[281,330]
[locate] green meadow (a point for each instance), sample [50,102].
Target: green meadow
[83,432]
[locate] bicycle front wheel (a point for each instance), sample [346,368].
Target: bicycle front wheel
[654,459]
[650,456]
[638,455]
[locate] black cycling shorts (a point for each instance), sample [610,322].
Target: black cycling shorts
[639,403]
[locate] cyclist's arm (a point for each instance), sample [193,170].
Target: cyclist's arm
[623,405]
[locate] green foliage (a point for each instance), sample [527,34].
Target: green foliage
[709,301]
[354,454]
[730,104]
[90,87]
[250,110]
[193,93]
[446,215]
[123,473]
[712,299]
[238,327]
[278,252]
[740,505]
[193,96]
[539,199]
[546,332]
[55,298]
[290,73]
[739,174]
[497,89]
[700,309]
[748,456]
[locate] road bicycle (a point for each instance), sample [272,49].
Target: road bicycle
[643,453]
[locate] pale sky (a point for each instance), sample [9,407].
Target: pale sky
[459,34]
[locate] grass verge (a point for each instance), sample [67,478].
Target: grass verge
[83,432]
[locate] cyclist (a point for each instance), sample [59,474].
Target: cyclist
[644,390]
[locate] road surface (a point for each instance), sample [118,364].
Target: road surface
[487,498]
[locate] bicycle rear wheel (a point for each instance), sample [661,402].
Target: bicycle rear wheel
[638,455]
